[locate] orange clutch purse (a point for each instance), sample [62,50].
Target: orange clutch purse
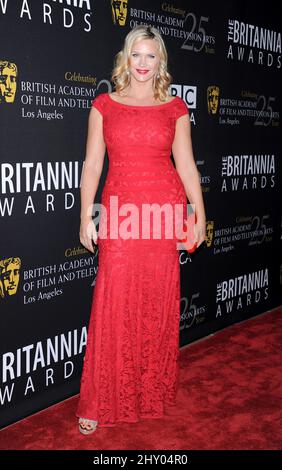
[187,240]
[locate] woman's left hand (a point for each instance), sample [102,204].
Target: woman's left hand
[200,232]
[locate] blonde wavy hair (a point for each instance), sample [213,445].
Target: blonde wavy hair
[120,73]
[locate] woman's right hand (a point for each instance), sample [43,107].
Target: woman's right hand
[87,233]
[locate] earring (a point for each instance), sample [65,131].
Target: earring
[158,76]
[127,72]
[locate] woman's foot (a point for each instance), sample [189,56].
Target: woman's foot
[87,426]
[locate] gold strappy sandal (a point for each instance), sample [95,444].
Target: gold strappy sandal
[87,426]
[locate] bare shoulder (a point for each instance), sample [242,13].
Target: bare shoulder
[114,93]
[168,100]
[171,98]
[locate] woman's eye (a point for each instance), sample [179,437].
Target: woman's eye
[150,55]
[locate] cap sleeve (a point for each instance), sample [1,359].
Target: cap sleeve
[181,107]
[98,103]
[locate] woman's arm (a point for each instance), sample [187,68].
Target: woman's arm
[91,173]
[93,164]
[186,168]
[185,165]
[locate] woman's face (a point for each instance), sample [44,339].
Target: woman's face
[144,60]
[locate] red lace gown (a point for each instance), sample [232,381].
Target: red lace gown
[130,367]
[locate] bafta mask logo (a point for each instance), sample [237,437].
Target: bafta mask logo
[212,97]
[9,276]
[209,238]
[119,11]
[8,81]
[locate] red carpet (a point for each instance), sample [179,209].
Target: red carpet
[229,398]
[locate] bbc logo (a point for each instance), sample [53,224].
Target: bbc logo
[187,93]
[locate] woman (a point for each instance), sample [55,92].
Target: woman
[131,362]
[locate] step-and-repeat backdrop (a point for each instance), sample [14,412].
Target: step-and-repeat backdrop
[55,57]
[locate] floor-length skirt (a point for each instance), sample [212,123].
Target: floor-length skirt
[131,363]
